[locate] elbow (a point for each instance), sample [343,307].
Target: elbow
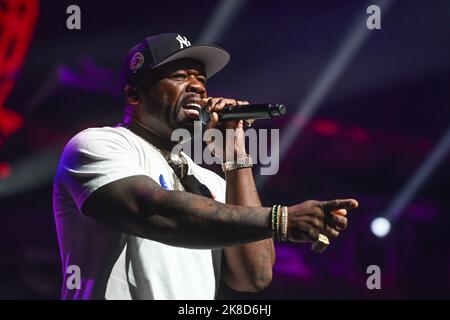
[262,284]
[262,281]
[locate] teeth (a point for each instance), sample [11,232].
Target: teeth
[193,104]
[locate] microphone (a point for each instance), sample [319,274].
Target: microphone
[245,112]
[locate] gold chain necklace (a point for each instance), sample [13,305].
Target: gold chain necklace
[176,161]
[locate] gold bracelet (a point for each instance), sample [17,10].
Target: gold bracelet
[284,223]
[279,223]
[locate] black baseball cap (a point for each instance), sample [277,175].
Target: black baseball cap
[160,49]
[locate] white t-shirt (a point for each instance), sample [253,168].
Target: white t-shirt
[115,265]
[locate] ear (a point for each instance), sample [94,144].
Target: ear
[131,93]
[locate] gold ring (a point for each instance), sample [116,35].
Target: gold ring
[321,244]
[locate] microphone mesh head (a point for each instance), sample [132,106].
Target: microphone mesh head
[277,110]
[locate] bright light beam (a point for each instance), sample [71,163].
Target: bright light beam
[433,160]
[219,22]
[330,74]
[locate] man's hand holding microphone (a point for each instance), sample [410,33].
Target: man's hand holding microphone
[315,222]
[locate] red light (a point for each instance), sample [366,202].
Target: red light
[326,127]
[9,122]
[5,170]
[17,23]
[358,134]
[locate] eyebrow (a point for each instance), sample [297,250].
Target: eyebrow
[193,71]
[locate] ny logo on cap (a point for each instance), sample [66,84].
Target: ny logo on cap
[183,41]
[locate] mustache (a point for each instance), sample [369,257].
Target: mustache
[192,97]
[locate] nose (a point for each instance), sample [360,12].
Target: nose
[194,85]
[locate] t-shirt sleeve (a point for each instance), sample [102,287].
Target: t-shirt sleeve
[222,187]
[94,158]
[217,186]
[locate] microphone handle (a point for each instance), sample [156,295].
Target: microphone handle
[253,111]
[245,112]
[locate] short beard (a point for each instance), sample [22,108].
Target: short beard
[176,122]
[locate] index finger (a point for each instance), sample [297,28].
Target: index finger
[337,204]
[242,103]
[210,102]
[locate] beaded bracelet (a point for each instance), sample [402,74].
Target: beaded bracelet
[275,221]
[279,220]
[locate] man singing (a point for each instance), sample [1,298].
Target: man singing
[136,220]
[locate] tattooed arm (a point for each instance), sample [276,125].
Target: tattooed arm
[139,206]
[248,267]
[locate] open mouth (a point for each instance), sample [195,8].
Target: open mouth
[192,110]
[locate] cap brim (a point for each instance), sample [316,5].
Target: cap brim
[213,58]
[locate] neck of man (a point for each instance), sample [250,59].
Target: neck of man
[148,134]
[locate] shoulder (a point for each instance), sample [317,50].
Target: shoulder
[112,141]
[97,156]
[97,149]
[103,135]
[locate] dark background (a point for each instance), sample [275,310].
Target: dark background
[373,128]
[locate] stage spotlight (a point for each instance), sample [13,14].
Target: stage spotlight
[380,227]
